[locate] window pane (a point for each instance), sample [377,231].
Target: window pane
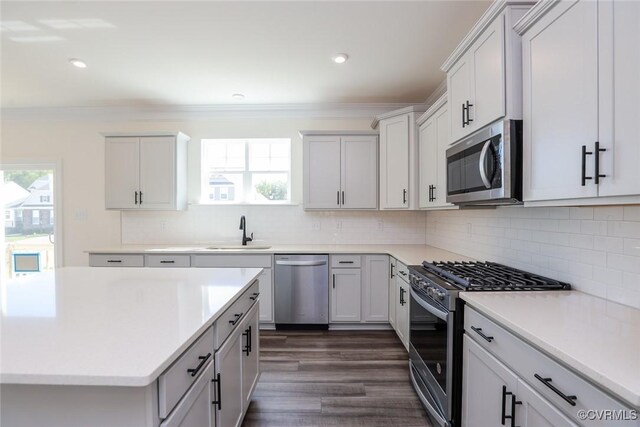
[269,187]
[225,187]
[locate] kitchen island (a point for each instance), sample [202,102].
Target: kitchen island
[128,347]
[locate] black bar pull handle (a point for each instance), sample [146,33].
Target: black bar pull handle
[479,332]
[250,339]
[514,402]
[404,196]
[247,347]
[584,165]
[237,317]
[343,197]
[597,152]
[391,271]
[141,197]
[334,281]
[464,123]
[254,296]
[547,382]
[402,291]
[218,401]
[469,119]
[345,262]
[503,414]
[167,262]
[136,198]
[114,260]
[203,360]
[338,196]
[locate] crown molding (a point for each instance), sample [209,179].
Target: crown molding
[435,106]
[533,15]
[415,108]
[496,8]
[437,93]
[181,112]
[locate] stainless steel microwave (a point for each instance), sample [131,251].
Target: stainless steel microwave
[486,167]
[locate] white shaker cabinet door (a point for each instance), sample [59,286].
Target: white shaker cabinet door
[459,86]
[195,408]
[394,162]
[266,296]
[157,172]
[228,364]
[560,91]
[376,288]
[359,172]
[439,191]
[535,411]
[122,172]
[428,154]
[250,355]
[619,23]
[485,380]
[402,312]
[322,172]
[393,292]
[346,294]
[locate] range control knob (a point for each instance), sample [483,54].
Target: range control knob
[430,291]
[440,295]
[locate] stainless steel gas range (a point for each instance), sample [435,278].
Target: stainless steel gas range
[436,325]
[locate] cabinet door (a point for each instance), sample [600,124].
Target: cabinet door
[619,94]
[459,87]
[488,55]
[250,355]
[484,382]
[122,164]
[439,193]
[402,312]
[394,163]
[536,411]
[376,288]
[266,296]
[359,172]
[321,172]
[393,292]
[560,92]
[228,363]
[428,154]
[157,172]
[346,295]
[195,408]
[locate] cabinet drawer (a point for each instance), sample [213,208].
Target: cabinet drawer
[535,368]
[195,408]
[177,379]
[116,260]
[231,261]
[168,261]
[403,271]
[235,314]
[345,261]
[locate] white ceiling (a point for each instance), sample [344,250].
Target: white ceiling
[200,53]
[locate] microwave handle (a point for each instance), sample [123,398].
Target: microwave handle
[481,163]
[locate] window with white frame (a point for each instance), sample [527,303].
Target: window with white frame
[255,170]
[35,217]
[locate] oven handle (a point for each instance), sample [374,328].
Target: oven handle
[483,172]
[440,314]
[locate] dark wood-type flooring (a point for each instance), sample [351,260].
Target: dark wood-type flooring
[334,378]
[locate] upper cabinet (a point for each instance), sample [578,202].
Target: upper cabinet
[580,90]
[484,72]
[146,171]
[399,158]
[433,142]
[340,170]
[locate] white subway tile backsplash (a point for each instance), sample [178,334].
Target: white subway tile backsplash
[596,249]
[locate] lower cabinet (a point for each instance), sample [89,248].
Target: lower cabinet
[393,291]
[229,400]
[375,292]
[399,301]
[266,296]
[536,411]
[250,355]
[195,409]
[346,290]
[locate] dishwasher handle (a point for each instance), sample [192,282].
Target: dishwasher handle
[301,263]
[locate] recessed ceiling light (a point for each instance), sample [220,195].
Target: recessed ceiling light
[340,58]
[78,63]
[238,96]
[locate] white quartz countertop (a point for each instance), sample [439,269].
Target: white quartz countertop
[595,337]
[408,254]
[108,326]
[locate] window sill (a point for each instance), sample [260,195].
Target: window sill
[244,204]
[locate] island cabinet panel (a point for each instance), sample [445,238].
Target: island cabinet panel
[195,410]
[176,380]
[228,382]
[250,355]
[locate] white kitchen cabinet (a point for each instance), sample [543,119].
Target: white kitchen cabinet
[346,295]
[266,296]
[484,72]
[393,292]
[398,158]
[485,384]
[250,355]
[375,292]
[580,91]
[229,402]
[402,303]
[195,409]
[340,170]
[433,144]
[146,171]
[535,411]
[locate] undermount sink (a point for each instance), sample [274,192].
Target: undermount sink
[236,247]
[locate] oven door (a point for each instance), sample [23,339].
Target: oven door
[430,350]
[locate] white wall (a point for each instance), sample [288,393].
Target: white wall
[596,249]
[78,143]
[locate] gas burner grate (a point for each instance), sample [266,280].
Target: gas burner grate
[491,276]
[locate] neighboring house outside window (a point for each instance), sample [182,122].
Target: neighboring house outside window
[236,171]
[45,199]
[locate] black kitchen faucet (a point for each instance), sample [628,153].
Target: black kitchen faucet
[243,227]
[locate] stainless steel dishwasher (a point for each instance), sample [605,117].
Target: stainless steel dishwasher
[301,291]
